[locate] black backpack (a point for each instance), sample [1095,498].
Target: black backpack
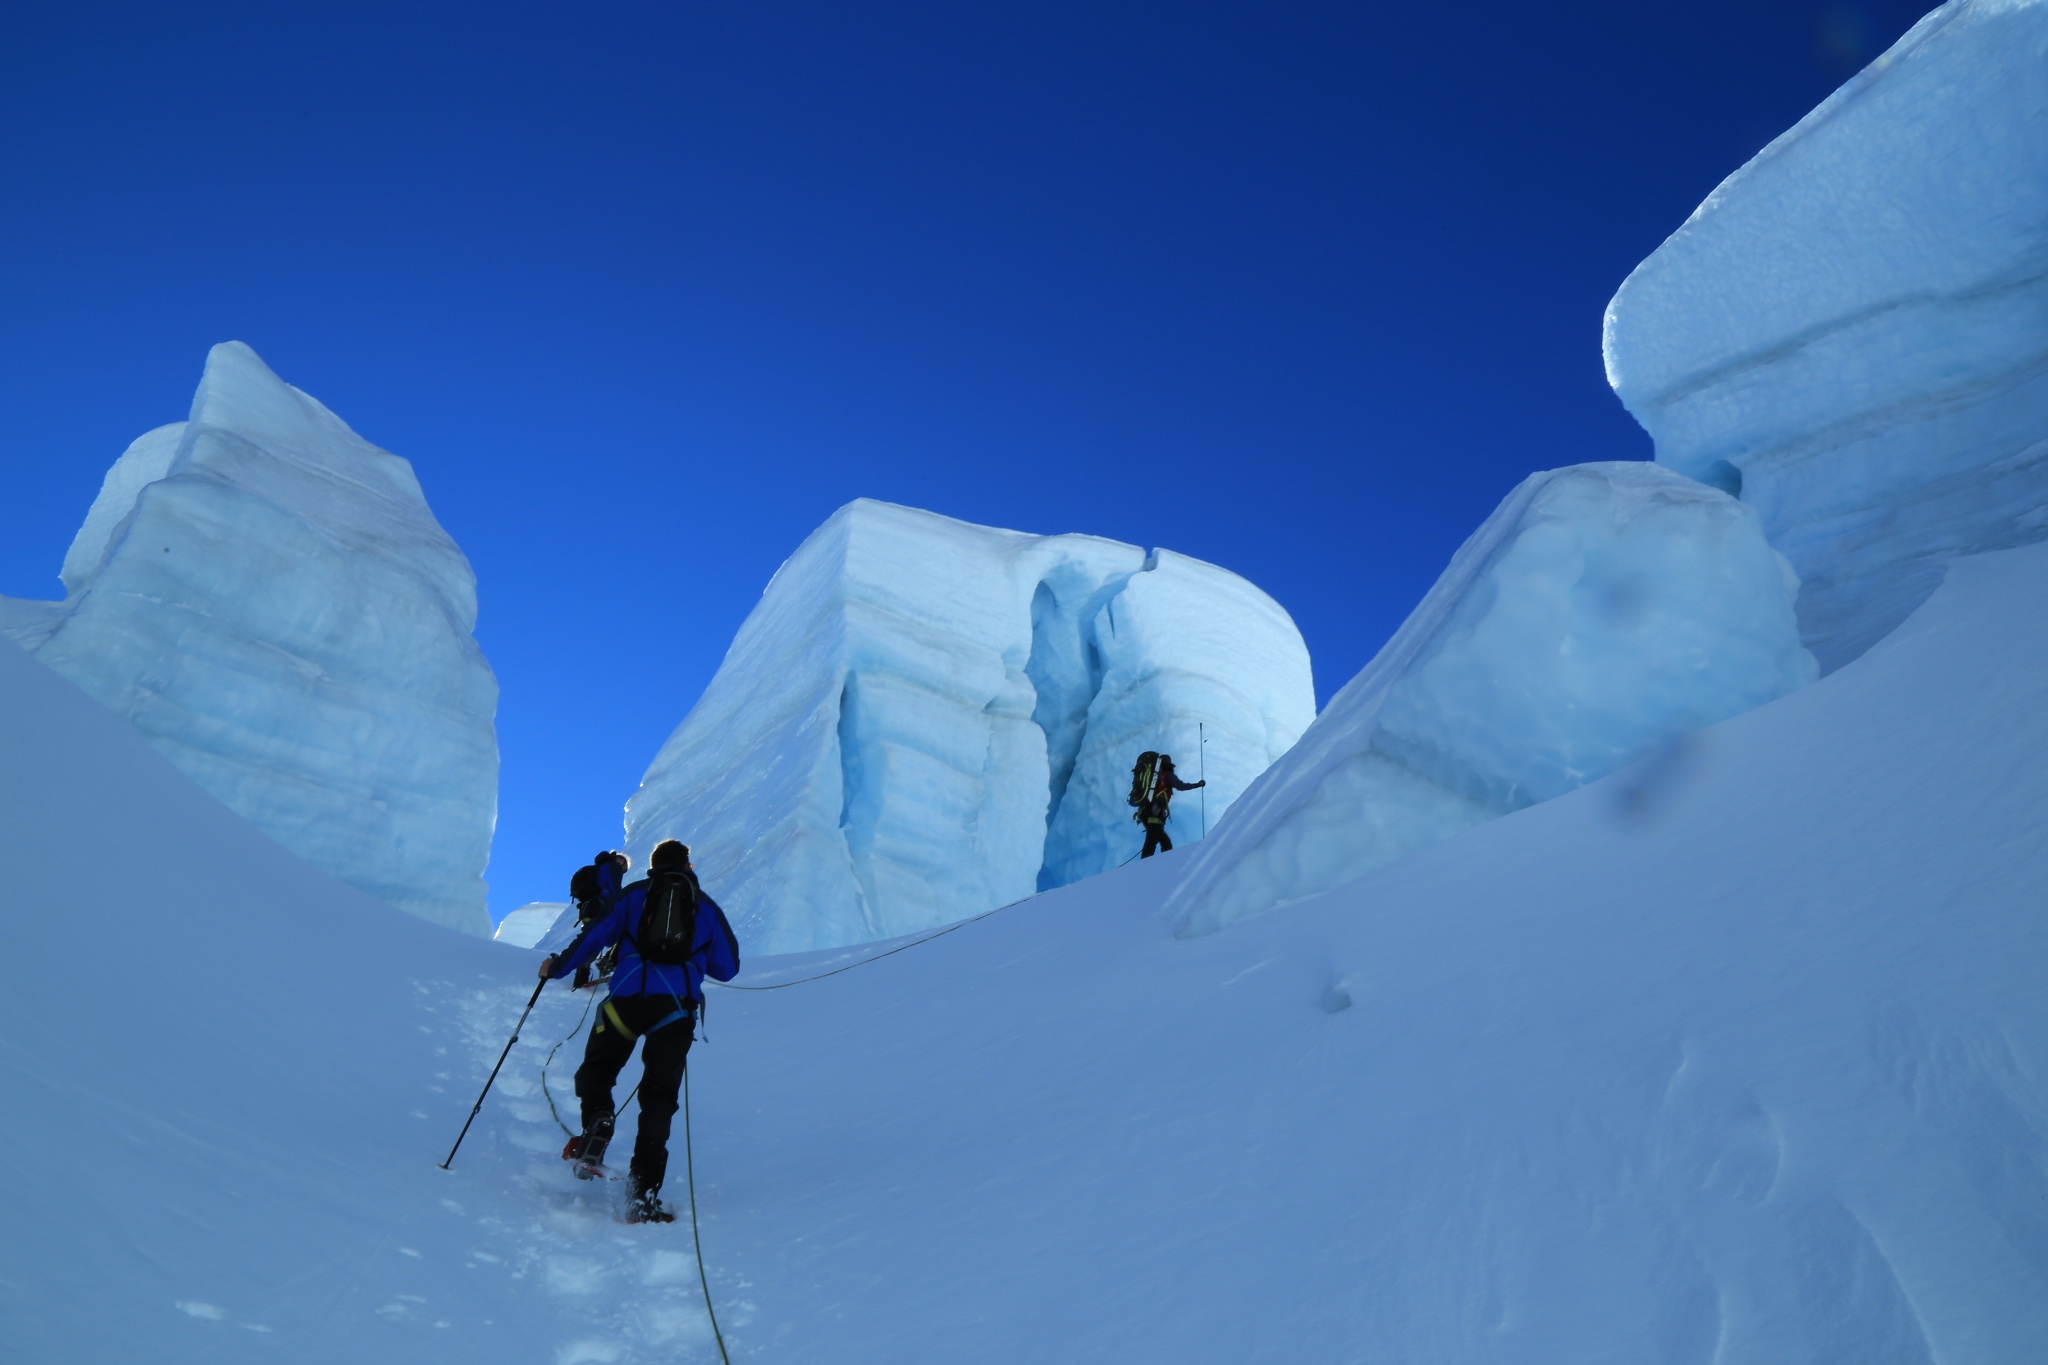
[668,917]
[583,889]
[1141,777]
[586,888]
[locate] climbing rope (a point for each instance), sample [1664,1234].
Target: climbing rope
[689,1155]
[550,1061]
[689,1165]
[689,1145]
[551,1057]
[899,948]
[690,1170]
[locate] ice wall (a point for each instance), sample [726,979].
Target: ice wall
[1601,612]
[925,718]
[1852,330]
[268,599]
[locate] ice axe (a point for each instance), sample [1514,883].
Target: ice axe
[478,1106]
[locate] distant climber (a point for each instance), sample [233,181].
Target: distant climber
[595,890]
[1153,784]
[669,936]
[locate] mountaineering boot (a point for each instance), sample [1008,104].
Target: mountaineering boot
[644,1207]
[587,1151]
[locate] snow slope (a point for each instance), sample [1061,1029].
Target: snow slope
[1852,330]
[1740,1060]
[925,718]
[268,598]
[1602,612]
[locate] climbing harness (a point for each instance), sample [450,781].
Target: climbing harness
[613,1016]
[681,1011]
[689,1144]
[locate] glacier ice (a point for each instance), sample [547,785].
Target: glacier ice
[924,719]
[1852,330]
[268,599]
[531,923]
[1601,612]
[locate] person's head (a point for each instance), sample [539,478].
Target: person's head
[624,863]
[1166,763]
[670,853]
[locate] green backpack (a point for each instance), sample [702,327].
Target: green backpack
[1141,777]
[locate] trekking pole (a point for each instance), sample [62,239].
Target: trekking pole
[530,1002]
[1202,729]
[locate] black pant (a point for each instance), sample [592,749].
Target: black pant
[667,1050]
[1155,839]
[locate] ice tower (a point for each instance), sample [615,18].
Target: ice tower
[267,598]
[1851,333]
[925,718]
[1602,611]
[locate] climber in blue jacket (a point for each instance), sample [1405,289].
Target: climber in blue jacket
[670,936]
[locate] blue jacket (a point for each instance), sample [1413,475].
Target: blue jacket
[716,953]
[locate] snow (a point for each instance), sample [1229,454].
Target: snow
[924,719]
[1851,328]
[1602,612]
[530,923]
[268,599]
[1738,1059]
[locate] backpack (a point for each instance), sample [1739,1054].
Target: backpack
[1141,778]
[588,888]
[668,917]
[583,889]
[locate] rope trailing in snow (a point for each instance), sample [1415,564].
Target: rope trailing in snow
[689,1144]
[899,948]
[550,1061]
[690,1170]
[689,1162]
[551,1057]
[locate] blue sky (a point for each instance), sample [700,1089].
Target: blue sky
[645,291]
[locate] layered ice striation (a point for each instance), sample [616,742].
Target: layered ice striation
[1601,612]
[1852,331]
[267,597]
[924,719]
